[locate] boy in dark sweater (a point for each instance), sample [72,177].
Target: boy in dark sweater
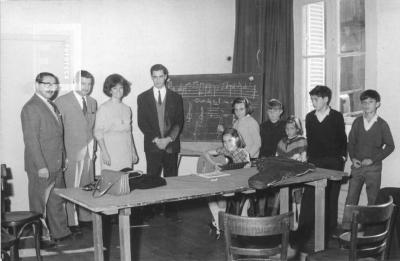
[326,139]
[272,130]
[370,141]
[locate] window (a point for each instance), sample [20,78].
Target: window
[330,50]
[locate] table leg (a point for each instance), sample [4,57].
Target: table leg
[125,233]
[284,200]
[320,215]
[98,237]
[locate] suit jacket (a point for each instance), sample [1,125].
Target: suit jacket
[78,129]
[148,119]
[43,137]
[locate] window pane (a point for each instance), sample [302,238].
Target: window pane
[352,82]
[352,26]
[314,75]
[315,29]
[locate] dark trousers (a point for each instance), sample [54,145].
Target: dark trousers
[371,176]
[307,210]
[161,160]
[49,204]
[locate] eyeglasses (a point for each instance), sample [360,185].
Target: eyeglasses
[48,84]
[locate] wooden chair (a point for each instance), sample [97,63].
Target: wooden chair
[237,227]
[15,222]
[369,244]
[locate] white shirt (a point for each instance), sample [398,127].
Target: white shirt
[368,124]
[322,115]
[163,92]
[79,98]
[48,105]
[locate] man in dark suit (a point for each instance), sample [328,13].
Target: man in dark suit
[78,111]
[44,154]
[160,118]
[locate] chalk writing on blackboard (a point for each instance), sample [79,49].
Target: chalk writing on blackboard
[208,98]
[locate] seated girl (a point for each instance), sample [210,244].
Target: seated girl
[233,149]
[293,146]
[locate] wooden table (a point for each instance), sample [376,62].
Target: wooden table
[184,188]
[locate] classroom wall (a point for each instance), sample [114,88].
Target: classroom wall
[126,37]
[388,80]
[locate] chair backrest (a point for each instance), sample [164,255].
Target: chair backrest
[256,227]
[375,222]
[3,173]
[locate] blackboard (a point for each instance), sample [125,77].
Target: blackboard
[207,101]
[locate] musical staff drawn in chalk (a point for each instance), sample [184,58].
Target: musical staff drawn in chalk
[207,101]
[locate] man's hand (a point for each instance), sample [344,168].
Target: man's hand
[356,163]
[43,173]
[162,143]
[366,162]
[106,158]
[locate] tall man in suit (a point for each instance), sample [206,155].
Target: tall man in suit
[78,111]
[160,118]
[44,154]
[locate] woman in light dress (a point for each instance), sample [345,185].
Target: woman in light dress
[113,127]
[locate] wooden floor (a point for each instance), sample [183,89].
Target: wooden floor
[188,240]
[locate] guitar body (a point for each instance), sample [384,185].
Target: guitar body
[204,166]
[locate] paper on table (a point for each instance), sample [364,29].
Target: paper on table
[214,174]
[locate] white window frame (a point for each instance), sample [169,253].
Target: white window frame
[332,55]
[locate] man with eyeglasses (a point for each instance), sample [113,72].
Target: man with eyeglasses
[78,111]
[44,155]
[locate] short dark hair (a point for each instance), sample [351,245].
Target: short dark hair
[274,103]
[158,67]
[322,91]
[370,94]
[84,74]
[114,79]
[297,123]
[235,134]
[245,101]
[41,75]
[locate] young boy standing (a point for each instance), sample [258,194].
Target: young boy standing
[370,142]
[326,139]
[272,130]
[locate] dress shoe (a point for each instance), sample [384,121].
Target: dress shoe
[64,239]
[76,230]
[47,244]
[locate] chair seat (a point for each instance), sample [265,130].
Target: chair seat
[17,218]
[334,255]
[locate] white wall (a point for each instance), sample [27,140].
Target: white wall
[126,37]
[388,81]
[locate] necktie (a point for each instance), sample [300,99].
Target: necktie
[84,106]
[55,109]
[159,97]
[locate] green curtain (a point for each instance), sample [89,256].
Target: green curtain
[264,44]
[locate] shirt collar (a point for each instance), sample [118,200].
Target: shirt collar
[43,98]
[162,90]
[374,119]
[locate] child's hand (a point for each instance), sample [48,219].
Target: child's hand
[366,162]
[220,128]
[296,157]
[356,163]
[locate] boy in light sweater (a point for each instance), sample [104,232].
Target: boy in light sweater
[370,142]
